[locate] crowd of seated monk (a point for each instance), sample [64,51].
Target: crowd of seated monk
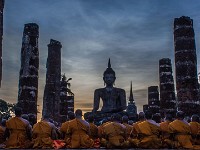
[150,131]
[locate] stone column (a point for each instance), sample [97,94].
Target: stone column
[167,91]
[51,99]
[28,76]
[186,66]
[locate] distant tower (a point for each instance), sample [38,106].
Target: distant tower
[153,99]
[1,36]
[131,108]
[51,99]
[167,92]
[66,98]
[186,66]
[28,76]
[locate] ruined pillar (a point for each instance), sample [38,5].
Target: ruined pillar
[28,76]
[167,91]
[186,66]
[51,99]
[1,36]
[153,99]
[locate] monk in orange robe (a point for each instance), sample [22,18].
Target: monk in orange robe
[103,141]
[195,129]
[115,133]
[79,130]
[149,132]
[134,137]
[182,133]
[44,133]
[93,131]
[64,129]
[18,131]
[128,127]
[165,132]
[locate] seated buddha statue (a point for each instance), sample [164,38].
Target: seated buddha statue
[114,99]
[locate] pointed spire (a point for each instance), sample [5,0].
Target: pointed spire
[109,64]
[131,94]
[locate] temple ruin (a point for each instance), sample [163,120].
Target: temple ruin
[51,99]
[28,76]
[167,91]
[187,86]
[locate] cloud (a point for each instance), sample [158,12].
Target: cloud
[134,34]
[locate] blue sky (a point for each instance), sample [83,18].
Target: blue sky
[134,34]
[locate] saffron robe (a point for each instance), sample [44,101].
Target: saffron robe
[149,132]
[195,131]
[94,135]
[79,131]
[64,130]
[128,130]
[93,131]
[42,134]
[18,128]
[134,138]
[165,134]
[182,137]
[115,134]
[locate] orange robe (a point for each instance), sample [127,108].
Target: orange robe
[18,128]
[93,131]
[79,131]
[165,134]
[64,129]
[128,130]
[134,137]
[103,141]
[42,132]
[149,132]
[195,131]
[182,137]
[135,130]
[115,134]
[94,135]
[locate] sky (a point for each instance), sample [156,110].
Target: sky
[133,34]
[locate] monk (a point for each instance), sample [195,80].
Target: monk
[149,132]
[182,133]
[100,132]
[18,131]
[115,133]
[165,132]
[128,127]
[64,129]
[79,129]
[135,130]
[195,129]
[94,131]
[44,133]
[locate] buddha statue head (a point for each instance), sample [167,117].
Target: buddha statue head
[109,75]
